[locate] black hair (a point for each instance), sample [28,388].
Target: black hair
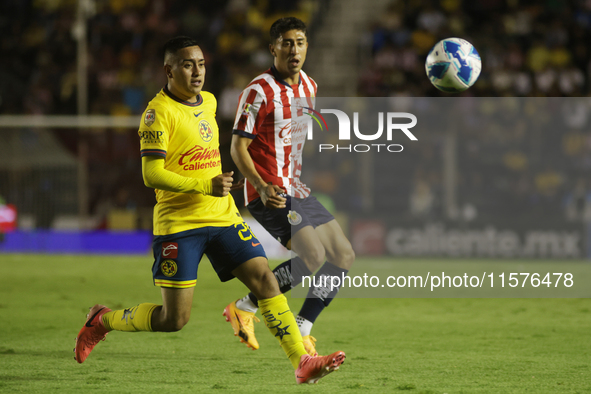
[176,44]
[283,25]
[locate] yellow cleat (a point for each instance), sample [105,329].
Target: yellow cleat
[242,324]
[310,345]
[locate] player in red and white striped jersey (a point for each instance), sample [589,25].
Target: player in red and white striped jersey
[265,118]
[267,142]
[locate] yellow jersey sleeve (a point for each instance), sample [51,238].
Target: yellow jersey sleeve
[156,176]
[155,129]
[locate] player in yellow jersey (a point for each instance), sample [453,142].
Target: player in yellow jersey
[195,214]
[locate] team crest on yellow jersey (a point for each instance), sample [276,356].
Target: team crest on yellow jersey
[205,131]
[168,268]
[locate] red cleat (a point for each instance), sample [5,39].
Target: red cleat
[91,333]
[312,369]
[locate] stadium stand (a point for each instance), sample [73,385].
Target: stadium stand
[529,49]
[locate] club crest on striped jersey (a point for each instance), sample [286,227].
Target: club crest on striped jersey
[168,268]
[294,218]
[205,131]
[150,117]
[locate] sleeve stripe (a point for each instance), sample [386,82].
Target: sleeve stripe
[153,152]
[251,96]
[241,117]
[243,133]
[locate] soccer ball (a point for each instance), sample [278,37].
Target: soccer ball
[453,65]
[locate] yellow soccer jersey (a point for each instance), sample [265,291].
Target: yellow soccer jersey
[187,136]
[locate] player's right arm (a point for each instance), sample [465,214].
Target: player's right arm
[157,177]
[269,193]
[252,110]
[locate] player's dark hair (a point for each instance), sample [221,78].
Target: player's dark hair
[176,44]
[283,25]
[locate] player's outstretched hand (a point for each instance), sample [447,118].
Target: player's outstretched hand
[221,184]
[271,196]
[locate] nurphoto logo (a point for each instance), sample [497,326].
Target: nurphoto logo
[389,124]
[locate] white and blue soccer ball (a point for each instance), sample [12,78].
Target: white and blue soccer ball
[453,65]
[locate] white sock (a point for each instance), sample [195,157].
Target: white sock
[304,325]
[246,304]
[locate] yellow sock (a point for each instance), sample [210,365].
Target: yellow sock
[282,324]
[137,318]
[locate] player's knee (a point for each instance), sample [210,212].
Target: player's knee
[174,323]
[267,279]
[266,285]
[349,257]
[177,324]
[344,256]
[314,257]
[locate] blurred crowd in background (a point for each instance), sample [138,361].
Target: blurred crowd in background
[529,48]
[125,39]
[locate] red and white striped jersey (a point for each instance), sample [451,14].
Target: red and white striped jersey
[277,129]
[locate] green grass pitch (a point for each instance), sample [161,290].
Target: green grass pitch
[393,345]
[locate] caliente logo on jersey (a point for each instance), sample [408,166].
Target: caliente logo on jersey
[198,158]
